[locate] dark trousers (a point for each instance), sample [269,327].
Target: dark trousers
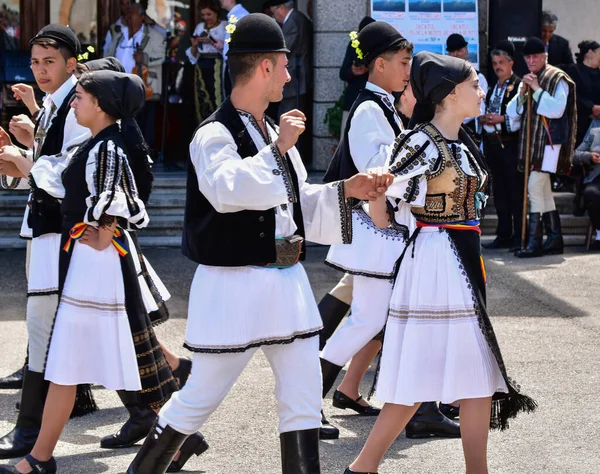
[591,197]
[146,120]
[507,185]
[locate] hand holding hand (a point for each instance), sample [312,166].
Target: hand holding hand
[368,186]
[291,126]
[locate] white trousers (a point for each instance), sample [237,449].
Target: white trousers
[539,189]
[369,311]
[298,386]
[40,316]
[343,290]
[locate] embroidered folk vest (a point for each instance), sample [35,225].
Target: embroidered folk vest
[451,193]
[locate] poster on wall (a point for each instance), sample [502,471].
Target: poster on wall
[427,23]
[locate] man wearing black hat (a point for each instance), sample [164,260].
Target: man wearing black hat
[501,147]
[457,47]
[53,60]
[248,211]
[552,142]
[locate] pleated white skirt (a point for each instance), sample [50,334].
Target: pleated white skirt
[91,341]
[433,348]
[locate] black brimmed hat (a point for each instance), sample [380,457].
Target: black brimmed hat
[62,34]
[507,46]
[377,38]
[455,42]
[256,33]
[534,46]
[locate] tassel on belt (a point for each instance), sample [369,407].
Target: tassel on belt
[78,230]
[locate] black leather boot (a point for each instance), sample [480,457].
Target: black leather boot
[332,312]
[136,428]
[554,244]
[534,238]
[14,380]
[195,444]
[449,411]
[21,439]
[300,452]
[327,430]
[429,422]
[157,452]
[329,372]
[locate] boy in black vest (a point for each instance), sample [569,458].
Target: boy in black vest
[370,134]
[501,147]
[248,210]
[53,60]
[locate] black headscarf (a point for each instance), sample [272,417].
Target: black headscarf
[584,48]
[105,64]
[122,96]
[432,78]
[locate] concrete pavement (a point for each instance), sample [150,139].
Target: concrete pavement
[546,313]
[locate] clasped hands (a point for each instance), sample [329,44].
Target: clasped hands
[368,186]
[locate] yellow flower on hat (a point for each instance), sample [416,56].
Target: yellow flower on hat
[230,28]
[356,44]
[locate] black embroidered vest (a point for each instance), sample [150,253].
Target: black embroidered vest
[44,214]
[342,165]
[231,239]
[511,90]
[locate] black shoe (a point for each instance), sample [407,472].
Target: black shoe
[20,441]
[195,444]
[350,471]
[46,467]
[534,239]
[136,428]
[327,430]
[157,452]
[595,246]
[300,452]
[342,402]
[554,244]
[14,380]
[329,372]
[332,312]
[429,422]
[182,372]
[499,243]
[449,411]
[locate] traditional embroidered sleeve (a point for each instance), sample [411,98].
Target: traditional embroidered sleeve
[112,188]
[233,183]
[326,211]
[370,137]
[552,106]
[512,124]
[47,170]
[413,158]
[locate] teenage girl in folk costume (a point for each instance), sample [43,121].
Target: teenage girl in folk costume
[439,343]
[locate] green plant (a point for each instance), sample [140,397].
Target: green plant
[333,117]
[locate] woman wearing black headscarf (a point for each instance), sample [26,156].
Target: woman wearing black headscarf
[101,332]
[439,343]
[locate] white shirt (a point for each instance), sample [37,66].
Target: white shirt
[495,107]
[287,16]
[47,170]
[371,137]
[239,12]
[126,48]
[108,39]
[217,33]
